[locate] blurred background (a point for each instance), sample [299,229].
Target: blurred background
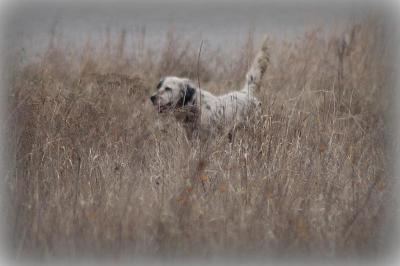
[221,24]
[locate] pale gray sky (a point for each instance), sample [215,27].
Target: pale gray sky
[220,23]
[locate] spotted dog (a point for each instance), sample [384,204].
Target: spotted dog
[200,110]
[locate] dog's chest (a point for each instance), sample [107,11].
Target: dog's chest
[187,114]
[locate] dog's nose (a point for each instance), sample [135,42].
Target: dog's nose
[153,98]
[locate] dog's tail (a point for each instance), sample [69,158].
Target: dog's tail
[257,69]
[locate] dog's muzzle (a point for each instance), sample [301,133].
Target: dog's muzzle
[160,108]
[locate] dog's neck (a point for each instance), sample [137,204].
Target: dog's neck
[188,109]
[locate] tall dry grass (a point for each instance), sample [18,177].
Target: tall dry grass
[95,170]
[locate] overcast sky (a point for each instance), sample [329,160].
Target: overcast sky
[220,23]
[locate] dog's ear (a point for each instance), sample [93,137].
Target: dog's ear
[188,94]
[160,83]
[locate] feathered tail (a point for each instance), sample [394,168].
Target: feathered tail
[257,69]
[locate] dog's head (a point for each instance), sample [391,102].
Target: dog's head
[172,93]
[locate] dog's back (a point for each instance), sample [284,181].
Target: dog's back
[235,106]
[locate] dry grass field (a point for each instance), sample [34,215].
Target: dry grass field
[94,170]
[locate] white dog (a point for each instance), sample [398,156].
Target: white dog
[200,110]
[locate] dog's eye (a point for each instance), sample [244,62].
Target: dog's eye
[168,89]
